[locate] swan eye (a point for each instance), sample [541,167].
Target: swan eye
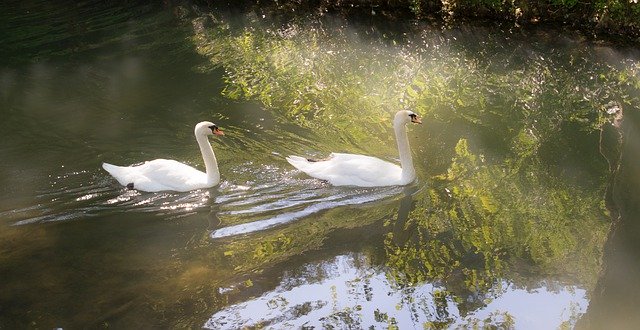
[415,118]
[213,128]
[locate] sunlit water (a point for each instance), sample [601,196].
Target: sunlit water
[504,226]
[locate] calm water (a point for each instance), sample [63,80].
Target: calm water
[505,226]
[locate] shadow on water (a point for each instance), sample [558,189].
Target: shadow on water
[615,300]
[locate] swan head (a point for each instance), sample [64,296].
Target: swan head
[406,116]
[207,128]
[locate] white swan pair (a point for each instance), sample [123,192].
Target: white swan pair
[338,169]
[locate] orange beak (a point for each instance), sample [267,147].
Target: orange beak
[218,132]
[417,120]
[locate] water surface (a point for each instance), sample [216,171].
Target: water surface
[505,225]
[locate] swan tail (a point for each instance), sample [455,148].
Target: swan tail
[118,173]
[297,161]
[112,169]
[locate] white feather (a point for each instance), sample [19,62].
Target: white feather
[341,169]
[167,174]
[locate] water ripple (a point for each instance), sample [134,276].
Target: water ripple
[280,197]
[81,195]
[290,202]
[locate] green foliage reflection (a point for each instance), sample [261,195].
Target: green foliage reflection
[330,77]
[483,222]
[517,114]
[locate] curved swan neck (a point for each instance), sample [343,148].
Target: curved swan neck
[210,161]
[406,160]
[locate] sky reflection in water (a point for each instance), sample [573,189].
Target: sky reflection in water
[341,293]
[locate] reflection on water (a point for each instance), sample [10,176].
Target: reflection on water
[341,293]
[505,226]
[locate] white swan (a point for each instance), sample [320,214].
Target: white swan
[167,174]
[365,171]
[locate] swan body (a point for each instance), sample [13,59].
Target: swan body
[341,169]
[166,174]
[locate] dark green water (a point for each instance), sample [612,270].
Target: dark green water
[505,226]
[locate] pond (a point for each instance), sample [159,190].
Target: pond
[507,224]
